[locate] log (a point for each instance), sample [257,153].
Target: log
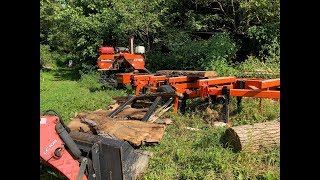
[187,73]
[253,137]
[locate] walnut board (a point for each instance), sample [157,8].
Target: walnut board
[120,127]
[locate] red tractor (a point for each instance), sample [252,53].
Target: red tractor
[79,156]
[120,60]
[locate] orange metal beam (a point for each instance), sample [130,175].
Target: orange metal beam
[215,91]
[247,93]
[193,94]
[139,87]
[181,79]
[124,78]
[255,93]
[185,85]
[270,83]
[253,87]
[158,78]
[216,81]
[262,84]
[141,77]
[175,105]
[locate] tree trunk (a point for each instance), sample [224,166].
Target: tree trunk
[253,137]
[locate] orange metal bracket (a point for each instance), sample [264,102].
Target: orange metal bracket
[262,84]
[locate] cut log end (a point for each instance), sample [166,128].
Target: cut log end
[232,140]
[252,137]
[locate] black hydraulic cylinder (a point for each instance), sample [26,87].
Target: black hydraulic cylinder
[64,135]
[120,108]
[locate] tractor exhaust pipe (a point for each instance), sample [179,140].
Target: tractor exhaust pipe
[131,45]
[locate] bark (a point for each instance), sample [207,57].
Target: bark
[253,137]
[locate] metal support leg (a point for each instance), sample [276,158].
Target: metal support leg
[151,108]
[239,99]
[182,105]
[96,160]
[83,166]
[120,108]
[226,97]
[213,101]
[175,105]
[239,104]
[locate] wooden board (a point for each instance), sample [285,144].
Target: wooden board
[77,125]
[134,131]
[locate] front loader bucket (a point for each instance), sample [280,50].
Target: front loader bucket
[112,159]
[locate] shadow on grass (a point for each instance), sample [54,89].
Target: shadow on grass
[71,74]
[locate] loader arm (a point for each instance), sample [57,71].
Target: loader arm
[53,150]
[81,156]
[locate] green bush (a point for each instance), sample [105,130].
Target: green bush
[222,67]
[87,69]
[46,57]
[190,54]
[221,46]
[91,81]
[255,67]
[268,38]
[62,60]
[53,59]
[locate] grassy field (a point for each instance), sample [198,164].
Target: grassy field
[62,91]
[182,154]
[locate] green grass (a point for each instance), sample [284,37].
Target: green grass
[182,153]
[68,96]
[65,92]
[186,154]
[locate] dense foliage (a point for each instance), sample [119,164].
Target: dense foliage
[177,34]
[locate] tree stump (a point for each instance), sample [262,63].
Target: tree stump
[253,137]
